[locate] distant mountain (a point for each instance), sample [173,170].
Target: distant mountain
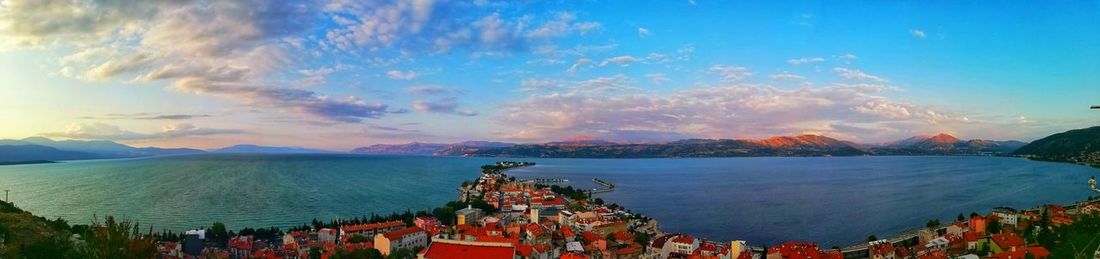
[1075,146]
[101,148]
[944,144]
[804,145]
[430,149]
[249,148]
[26,153]
[414,148]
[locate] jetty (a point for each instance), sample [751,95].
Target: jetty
[609,187]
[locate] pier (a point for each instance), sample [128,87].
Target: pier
[549,180]
[610,187]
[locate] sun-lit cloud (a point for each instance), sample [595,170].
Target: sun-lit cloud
[856,74]
[102,131]
[401,75]
[446,105]
[730,73]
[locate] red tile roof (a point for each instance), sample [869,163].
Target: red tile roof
[401,233]
[1005,241]
[447,249]
[373,226]
[684,239]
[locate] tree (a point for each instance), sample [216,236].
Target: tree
[642,238]
[218,234]
[993,227]
[984,250]
[960,218]
[445,215]
[401,253]
[315,252]
[610,237]
[932,223]
[357,238]
[598,201]
[872,238]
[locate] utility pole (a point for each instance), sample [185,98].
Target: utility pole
[1095,107]
[6,195]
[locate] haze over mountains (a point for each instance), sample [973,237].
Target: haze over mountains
[804,145]
[44,149]
[1076,145]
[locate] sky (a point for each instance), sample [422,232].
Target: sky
[340,74]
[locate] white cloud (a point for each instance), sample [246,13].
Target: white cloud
[657,78]
[734,111]
[856,74]
[401,75]
[578,65]
[621,60]
[731,73]
[445,106]
[102,131]
[805,60]
[643,32]
[917,33]
[786,76]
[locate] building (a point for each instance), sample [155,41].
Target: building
[193,242]
[792,249]
[882,249]
[1008,216]
[467,215]
[447,249]
[1006,242]
[684,244]
[407,238]
[370,230]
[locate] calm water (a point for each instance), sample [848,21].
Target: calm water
[240,190]
[834,200]
[830,200]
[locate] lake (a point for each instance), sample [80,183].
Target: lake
[830,200]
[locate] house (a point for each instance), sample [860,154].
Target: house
[407,238]
[241,246]
[430,224]
[684,244]
[1037,252]
[447,249]
[193,242]
[1008,216]
[1005,242]
[977,224]
[792,249]
[326,235]
[468,215]
[881,249]
[370,230]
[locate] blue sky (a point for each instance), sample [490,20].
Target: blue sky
[341,74]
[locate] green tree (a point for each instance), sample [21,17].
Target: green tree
[357,238]
[960,218]
[401,253]
[993,227]
[872,238]
[642,238]
[315,252]
[445,215]
[932,223]
[598,201]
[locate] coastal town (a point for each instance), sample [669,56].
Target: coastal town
[498,216]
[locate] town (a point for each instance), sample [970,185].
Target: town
[498,216]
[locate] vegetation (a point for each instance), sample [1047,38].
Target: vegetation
[569,191]
[1074,146]
[28,236]
[1077,240]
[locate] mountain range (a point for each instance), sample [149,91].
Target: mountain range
[1074,146]
[431,149]
[39,149]
[803,145]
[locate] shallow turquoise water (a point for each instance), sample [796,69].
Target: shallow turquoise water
[830,200]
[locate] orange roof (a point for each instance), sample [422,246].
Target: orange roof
[684,239]
[445,249]
[373,226]
[401,233]
[1007,240]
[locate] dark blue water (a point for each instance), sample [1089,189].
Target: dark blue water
[831,200]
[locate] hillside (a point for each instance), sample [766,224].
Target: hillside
[805,145]
[100,148]
[430,149]
[1075,146]
[944,144]
[27,153]
[248,148]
